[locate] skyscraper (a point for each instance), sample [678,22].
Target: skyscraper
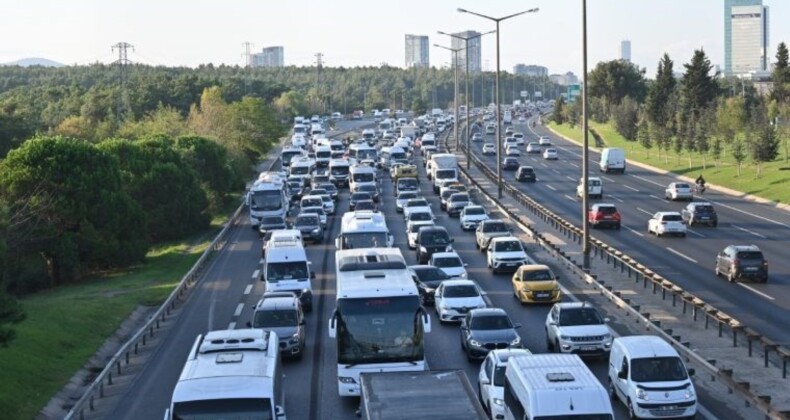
[417,51]
[749,44]
[728,35]
[269,57]
[530,70]
[625,50]
[475,60]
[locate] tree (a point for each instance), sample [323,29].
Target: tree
[419,106]
[657,104]
[559,112]
[573,112]
[616,79]
[164,120]
[715,150]
[702,139]
[643,136]
[781,75]
[764,146]
[10,310]
[626,118]
[738,152]
[698,88]
[211,163]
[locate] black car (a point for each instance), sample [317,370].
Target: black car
[742,261]
[370,189]
[432,239]
[365,205]
[486,329]
[427,278]
[295,188]
[357,197]
[270,223]
[700,212]
[510,164]
[526,174]
[310,226]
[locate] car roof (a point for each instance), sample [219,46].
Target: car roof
[668,213]
[574,305]
[534,267]
[504,239]
[502,355]
[449,254]
[459,283]
[603,205]
[488,312]
[745,247]
[277,302]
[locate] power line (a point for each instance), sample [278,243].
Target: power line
[319,77]
[247,54]
[123,63]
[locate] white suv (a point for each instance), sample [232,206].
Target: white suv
[506,253]
[594,188]
[667,223]
[491,380]
[577,327]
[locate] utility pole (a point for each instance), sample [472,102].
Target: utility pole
[319,66]
[247,54]
[123,63]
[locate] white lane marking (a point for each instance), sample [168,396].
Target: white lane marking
[544,165]
[232,326]
[747,213]
[634,231]
[616,198]
[256,273]
[239,308]
[631,188]
[749,231]
[695,232]
[607,179]
[656,197]
[551,188]
[644,211]
[681,255]
[555,170]
[248,289]
[571,178]
[648,181]
[756,291]
[573,164]
[569,197]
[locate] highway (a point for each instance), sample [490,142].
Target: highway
[689,262]
[225,297]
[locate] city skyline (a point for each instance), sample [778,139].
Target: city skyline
[417,51]
[86,29]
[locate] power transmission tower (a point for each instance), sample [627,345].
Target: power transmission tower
[123,63]
[247,54]
[319,77]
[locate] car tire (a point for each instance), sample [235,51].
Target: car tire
[610,389]
[549,343]
[714,224]
[618,226]
[631,414]
[682,235]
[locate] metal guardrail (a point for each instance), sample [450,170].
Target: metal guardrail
[648,278]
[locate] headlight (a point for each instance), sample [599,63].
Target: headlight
[498,401]
[315,230]
[449,248]
[463,275]
[516,341]
[474,343]
[689,393]
[565,337]
[346,380]
[607,337]
[641,394]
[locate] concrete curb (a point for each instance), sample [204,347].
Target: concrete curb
[718,188]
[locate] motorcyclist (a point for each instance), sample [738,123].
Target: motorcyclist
[700,183]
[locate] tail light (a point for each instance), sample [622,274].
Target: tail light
[736,262]
[765,264]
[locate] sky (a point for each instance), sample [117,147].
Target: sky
[367,33]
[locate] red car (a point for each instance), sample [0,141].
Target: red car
[604,215]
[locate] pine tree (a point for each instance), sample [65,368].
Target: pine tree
[644,136]
[559,113]
[781,75]
[699,88]
[656,104]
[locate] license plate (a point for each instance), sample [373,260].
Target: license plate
[542,294]
[751,268]
[607,217]
[668,407]
[704,218]
[588,348]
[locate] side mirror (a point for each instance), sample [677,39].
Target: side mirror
[333,325]
[556,277]
[279,412]
[692,371]
[553,323]
[466,265]
[606,319]
[249,324]
[623,374]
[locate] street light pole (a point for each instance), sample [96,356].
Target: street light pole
[466,96]
[455,90]
[498,116]
[586,150]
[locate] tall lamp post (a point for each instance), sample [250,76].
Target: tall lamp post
[498,116]
[455,87]
[466,96]
[586,150]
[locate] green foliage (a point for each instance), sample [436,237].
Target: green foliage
[698,88]
[781,75]
[573,112]
[658,105]
[738,152]
[13,131]
[626,118]
[558,116]
[643,134]
[211,163]
[616,79]
[70,208]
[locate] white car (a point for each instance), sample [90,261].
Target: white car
[544,141]
[329,204]
[454,298]
[420,216]
[667,223]
[491,380]
[450,263]
[489,149]
[402,198]
[594,188]
[506,253]
[519,138]
[477,137]
[550,154]
[577,327]
[412,228]
[471,216]
[512,151]
[679,191]
[415,204]
[533,147]
[510,141]
[522,119]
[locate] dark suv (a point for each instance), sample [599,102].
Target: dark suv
[282,313]
[700,212]
[742,261]
[431,239]
[526,174]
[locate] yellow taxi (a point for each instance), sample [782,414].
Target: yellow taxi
[536,283]
[405,171]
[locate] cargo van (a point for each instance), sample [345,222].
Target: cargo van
[647,374]
[612,160]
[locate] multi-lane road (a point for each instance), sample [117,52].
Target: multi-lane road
[225,297]
[689,261]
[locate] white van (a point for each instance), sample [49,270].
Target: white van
[553,386]
[612,160]
[287,269]
[649,377]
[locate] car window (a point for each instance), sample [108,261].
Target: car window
[607,209]
[431,274]
[274,319]
[494,227]
[750,255]
[475,211]
[672,218]
[537,275]
[460,291]
[703,209]
[434,237]
[507,246]
[447,262]
[496,322]
[307,221]
[580,316]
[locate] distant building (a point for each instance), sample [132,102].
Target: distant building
[475,55]
[625,50]
[749,44]
[564,79]
[530,70]
[731,37]
[417,47]
[269,57]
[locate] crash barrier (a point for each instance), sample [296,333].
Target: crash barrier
[772,353]
[115,366]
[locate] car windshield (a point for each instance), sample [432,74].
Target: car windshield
[538,275]
[459,198]
[435,237]
[357,196]
[339,170]
[420,216]
[525,170]
[447,262]
[703,209]
[750,255]
[475,211]
[417,203]
[294,270]
[307,221]
[657,369]
[607,209]
[448,193]
[295,185]
[682,186]
[461,291]
[431,274]
[491,322]
[312,202]
[507,246]
[580,316]
[363,177]
[672,218]
[365,205]
[407,196]
[415,227]
[273,220]
[274,319]
[494,227]
[329,187]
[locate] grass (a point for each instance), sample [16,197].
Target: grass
[772,184]
[66,326]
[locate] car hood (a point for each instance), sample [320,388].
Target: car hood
[474,217]
[458,204]
[584,330]
[283,333]
[514,254]
[307,228]
[538,286]
[495,234]
[488,336]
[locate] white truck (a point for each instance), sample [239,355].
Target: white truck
[442,167]
[409,131]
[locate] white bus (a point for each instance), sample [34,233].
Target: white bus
[289,153]
[231,374]
[268,197]
[361,175]
[378,322]
[364,229]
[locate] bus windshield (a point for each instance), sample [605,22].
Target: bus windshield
[364,240]
[379,330]
[364,177]
[288,155]
[300,170]
[266,200]
[339,170]
[366,154]
[229,409]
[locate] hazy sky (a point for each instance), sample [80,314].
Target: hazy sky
[356,32]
